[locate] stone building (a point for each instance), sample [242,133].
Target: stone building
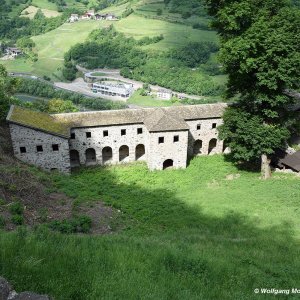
[162,137]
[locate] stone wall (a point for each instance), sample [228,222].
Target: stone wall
[28,139]
[171,150]
[120,144]
[115,140]
[205,134]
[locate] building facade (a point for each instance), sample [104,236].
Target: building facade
[164,94]
[122,90]
[162,137]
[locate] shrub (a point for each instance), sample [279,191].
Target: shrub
[77,224]
[2,222]
[16,208]
[17,219]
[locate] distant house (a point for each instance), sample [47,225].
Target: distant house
[73,18]
[90,14]
[111,17]
[13,52]
[100,17]
[164,94]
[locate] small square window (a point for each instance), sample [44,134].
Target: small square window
[23,149]
[105,133]
[73,136]
[123,131]
[140,130]
[39,148]
[161,140]
[176,138]
[88,134]
[214,125]
[198,126]
[55,147]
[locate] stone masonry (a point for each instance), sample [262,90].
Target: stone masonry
[162,137]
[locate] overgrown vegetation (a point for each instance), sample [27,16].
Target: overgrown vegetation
[79,224]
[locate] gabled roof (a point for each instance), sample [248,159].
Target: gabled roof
[159,120]
[155,119]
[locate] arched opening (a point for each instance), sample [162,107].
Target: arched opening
[168,164]
[212,145]
[197,149]
[90,156]
[74,158]
[123,152]
[139,152]
[107,154]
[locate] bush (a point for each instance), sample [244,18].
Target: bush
[2,222]
[17,219]
[16,208]
[78,224]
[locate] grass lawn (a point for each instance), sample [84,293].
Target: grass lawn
[32,10]
[174,34]
[190,234]
[147,101]
[45,4]
[51,47]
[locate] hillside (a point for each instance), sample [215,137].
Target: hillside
[28,196]
[177,234]
[144,22]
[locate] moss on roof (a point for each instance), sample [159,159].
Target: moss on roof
[38,120]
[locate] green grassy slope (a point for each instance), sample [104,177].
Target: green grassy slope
[51,47]
[191,234]
[175,35]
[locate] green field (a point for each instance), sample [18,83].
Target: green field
[45,4]
[189,234]
[147,101]
[51,47]
[174,34]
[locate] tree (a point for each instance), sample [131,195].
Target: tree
[7,89]
[60,106]
[260,52]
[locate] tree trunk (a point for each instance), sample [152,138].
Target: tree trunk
[265,167]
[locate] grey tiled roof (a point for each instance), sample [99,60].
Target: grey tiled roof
[155,119]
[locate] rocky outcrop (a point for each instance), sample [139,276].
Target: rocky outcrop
[8,293]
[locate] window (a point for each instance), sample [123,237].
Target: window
[214,125]
[140,130]
[161,140]
[39,148]
[23,149]
[88,134]
[105,133]
[123,131]
[198,126]
[73,136]
[55,147]
[176,138]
